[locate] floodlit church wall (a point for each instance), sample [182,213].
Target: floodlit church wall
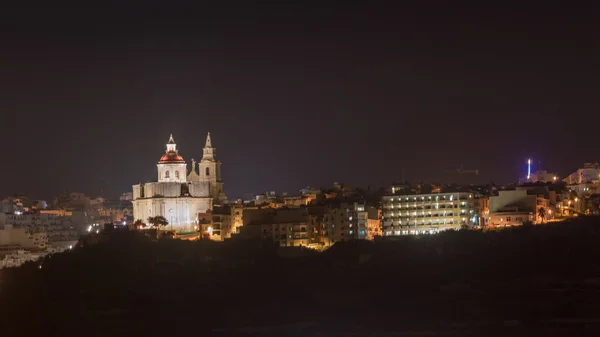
[136,191]
[180,212]
[199,189]
[167,189]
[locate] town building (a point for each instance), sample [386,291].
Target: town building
[348,221]
[583,186]
[127,196]
[23,237]
[216,224]
[373,223]
[237,217]
[21,204]
[540,176]
[288,227]
[515,207]
[58,227]
[589,173]
[410,214]
[180,196]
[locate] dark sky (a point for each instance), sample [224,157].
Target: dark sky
[295,95]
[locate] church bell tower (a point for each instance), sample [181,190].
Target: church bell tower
[210,170]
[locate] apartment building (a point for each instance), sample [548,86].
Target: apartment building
[428,213]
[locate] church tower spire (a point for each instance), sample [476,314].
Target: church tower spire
[210,170]
[208,153]
[208,143]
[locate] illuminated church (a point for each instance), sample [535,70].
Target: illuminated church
[179,195]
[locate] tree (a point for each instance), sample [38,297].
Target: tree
[158,221]
[542,213]
[137,224]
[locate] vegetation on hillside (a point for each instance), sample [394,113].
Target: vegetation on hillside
[541,280]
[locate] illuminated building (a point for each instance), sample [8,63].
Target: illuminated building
[348,221]
[237,217]
[428,213]
[584,182]
[216,224]
[589,173]
[540,176]
[23,237]
[514,207]
[286,227]
[373,223]
[179,196]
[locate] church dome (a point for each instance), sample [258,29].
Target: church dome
[171,158]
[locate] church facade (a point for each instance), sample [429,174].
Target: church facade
[179,195]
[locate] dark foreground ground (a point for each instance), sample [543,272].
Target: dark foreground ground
[532,281]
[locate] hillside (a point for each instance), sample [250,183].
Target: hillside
[539,280]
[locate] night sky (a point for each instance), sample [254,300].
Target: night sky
[295,95]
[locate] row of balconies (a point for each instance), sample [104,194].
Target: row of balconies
[432,225]
[388,209]
[424,216]
[427,199]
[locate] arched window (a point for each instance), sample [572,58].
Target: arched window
[167,174]
[176,174]
[207,171]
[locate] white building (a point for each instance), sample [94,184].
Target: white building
[22,237]
[346,222]
[540,176]
[585,181]
[590,173]
[514,207]
[58,227]
[427,213]
[179,196]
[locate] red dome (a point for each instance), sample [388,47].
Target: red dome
[171,158]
